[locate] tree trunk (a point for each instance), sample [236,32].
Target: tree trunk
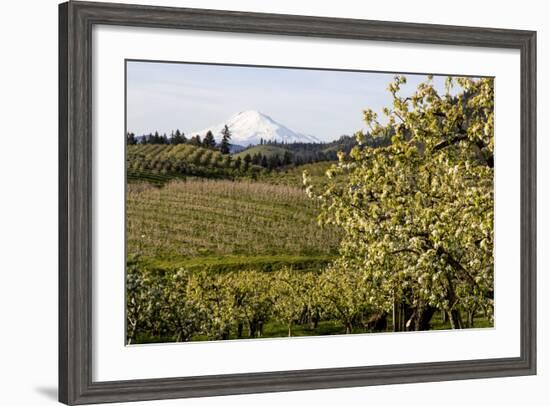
[378,322]
[240,330]
[251,329]
[260,328]
[454,314]
[315,319]
[455,319]
[424,317]
[225,335]
[394,315]
[402,312]
[349,328]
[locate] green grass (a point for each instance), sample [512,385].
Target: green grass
[275,329]
[271,329]
[240,263]
[267,150]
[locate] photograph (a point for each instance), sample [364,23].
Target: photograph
[272,202]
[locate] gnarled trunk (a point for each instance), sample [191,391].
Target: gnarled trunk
[455,319]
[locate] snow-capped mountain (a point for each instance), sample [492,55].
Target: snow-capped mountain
[249,127]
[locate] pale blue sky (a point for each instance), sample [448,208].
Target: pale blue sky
[165,96]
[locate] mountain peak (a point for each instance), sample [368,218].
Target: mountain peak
[250,113]
[249,127]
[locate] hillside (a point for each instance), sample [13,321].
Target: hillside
[161,163]
[267,150]
[293,176]
[299,153]
[226,225]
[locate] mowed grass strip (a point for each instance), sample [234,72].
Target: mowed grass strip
[231,263]
[218,218]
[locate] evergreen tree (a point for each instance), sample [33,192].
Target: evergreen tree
[238,163]
[131,139]
[209,141]
[196,140]
[226,136]
[273,162]
[177,138]
[287,158]
[247,159]
[227,161]
[298,160]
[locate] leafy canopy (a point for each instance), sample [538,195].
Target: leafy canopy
[417,212]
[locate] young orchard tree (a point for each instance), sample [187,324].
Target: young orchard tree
[255,299]
[184,316]
[136,303]
[344,296]
[213,293]
[312,311]
[226,137]
[417,211]
[289,303]
[144,303]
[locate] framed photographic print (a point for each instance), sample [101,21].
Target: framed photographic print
[259,202]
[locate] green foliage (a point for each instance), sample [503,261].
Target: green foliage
[344,296]
[159,163]
[226,137]
[418,213]
[183,305]
[290,291]
[406,238]
[209,141]
[302,153]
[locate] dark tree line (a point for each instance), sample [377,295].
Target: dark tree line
[268,161]
[295,154]
[178,137]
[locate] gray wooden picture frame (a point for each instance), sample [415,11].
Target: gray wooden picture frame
[76,20]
